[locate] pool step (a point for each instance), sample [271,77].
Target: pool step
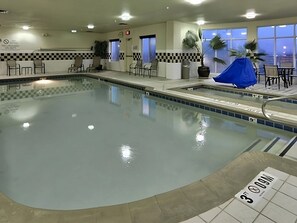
[275,146]
[290,149]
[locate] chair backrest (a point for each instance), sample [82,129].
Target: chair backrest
[285,64]
[11,63]
[78,61]
[138,64]
[271,70]
[37,63]
[96,61]
[154,64]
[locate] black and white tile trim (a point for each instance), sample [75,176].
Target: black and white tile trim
[43,56]
[172,57]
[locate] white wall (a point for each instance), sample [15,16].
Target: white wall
[45,41]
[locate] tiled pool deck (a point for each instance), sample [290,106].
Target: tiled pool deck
[208,200]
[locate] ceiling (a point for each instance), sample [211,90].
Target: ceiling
[104,14]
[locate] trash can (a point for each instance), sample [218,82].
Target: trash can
[185,69]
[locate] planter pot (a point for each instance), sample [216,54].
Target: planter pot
[203,72]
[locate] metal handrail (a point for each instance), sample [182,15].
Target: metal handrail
[274,99]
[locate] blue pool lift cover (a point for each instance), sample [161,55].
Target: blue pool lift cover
[240,73]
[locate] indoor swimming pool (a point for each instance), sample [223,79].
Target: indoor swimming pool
[80,143]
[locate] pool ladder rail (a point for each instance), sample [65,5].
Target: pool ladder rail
[277,146]
[270,117]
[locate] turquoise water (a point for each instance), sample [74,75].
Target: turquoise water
[80,143]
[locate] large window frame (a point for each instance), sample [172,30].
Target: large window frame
[275,37]
[148,48]
[232,36]
[114,49]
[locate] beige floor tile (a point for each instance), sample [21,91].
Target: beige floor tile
[260,205]
[269,194]
[194,220]
[222,206]
[263,219]
[278,214]
[292,180]
[285,202]
[241,212]
[277,185]
[211,214]
[289,190]
[223,217]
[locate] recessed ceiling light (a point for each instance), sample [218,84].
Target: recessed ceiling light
[73,30]
[26,27]
[167,7]
[250,14]
[91,26]
[3,11]
[194,2]
[125,16]
[200,22]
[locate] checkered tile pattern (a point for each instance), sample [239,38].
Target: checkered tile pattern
[8,96]
[177,57]
[172,57]
[43,56]
[122,56]
[136,56]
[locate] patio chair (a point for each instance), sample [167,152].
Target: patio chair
[12,65]
[77,66]
[135,67]
[96,66]
[153,66]
[271,74]
[38,64]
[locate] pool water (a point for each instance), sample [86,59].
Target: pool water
[81,143]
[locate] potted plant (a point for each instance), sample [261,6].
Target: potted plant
[248,51]
[194,41]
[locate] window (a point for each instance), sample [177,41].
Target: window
[279,43]
[114,46]
[235,39]
[148,46]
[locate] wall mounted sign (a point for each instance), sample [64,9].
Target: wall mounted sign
[7,44]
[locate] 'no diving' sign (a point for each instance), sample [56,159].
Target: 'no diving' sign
[5,41]
[256,189]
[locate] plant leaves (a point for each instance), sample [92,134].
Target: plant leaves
[218,60]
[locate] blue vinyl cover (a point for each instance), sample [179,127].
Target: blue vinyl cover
[240,73]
